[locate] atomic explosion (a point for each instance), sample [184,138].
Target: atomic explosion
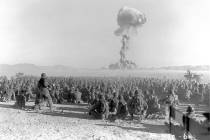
[129,20]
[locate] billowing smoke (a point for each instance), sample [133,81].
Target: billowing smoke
[129,20]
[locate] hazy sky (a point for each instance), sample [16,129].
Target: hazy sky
[79,33]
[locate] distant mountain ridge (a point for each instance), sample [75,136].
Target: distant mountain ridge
[31,69]
[62,70]
[184,67]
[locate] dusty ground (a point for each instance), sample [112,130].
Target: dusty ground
[72,122]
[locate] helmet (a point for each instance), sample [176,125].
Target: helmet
[43,75]
[190,109]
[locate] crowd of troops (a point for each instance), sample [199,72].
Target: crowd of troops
[108,97]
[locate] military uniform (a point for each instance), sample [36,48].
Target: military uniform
[9,94]
[153,105]
[137,105]
[58,96]
[28,94]
[100,109]
[85,94]
[77,96]
[122,110]
[171,100]
[113,103]
[44,92]
[188,94]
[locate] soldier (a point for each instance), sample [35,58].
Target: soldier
[93,99]
[38,99]
[5,92]
[85,93]
[126,96]
[113,104]
[188,94]
[122,110]
[109,95]
[71,94]
[130,97]
[153,105]
[137,105]
[42,86]
[12,90]
[201,93]
[52,93]
[58,97]
[146,95]
[172,98]
[100,109]
[10,93]
[77,96]
[66,91]
[28,93]
[186,120]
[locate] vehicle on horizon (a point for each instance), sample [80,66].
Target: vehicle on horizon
[190,76]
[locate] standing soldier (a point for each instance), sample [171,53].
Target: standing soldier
[42,86]
[171,100]
[188,94]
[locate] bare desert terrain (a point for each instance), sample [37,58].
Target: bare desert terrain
[71,122]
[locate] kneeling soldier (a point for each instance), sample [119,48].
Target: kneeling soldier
[122,110]
[100,109]
[137,105]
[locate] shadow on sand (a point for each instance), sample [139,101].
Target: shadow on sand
[70,112]
[2,105]
[67,114]
[77,109]
[73,104]
[177,131]
[73,111]
[160,129]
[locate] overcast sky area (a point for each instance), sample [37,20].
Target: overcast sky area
[79,33]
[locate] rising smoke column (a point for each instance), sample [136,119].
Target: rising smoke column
[129,20]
